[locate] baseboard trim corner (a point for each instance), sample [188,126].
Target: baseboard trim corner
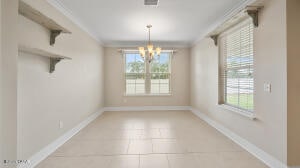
[147,108]
[251,148]
[46,151]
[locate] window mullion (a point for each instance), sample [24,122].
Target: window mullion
[147,78]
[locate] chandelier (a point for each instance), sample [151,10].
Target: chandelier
[151,51]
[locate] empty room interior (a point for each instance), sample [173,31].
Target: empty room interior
[150,84]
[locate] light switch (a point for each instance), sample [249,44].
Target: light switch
[61,124]
[267,87]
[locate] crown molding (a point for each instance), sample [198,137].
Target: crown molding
[69,14]
[236,9]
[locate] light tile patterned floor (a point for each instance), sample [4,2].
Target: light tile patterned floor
[153,139]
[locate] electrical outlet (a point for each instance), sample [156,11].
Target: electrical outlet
[267,87]
[61,124]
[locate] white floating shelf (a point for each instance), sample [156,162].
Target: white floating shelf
[40,52]
[249,12]
[54,58]
[36,16]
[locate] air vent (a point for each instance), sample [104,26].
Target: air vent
[151,2]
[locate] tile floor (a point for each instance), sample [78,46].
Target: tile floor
[153,139]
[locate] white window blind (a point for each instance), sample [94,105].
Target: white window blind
[236,66]
[143,77]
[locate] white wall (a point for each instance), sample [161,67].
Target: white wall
[70,94]
[9,14]
[268,132]
[115,82]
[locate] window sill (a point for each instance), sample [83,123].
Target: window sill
[238,111]
[146,95]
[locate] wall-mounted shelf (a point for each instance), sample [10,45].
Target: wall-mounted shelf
[36,16]
[249,11]
[54,58]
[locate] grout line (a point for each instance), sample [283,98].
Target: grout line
[127,139]
[104,155]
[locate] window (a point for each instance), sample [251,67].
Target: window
[135,74]
[160,74]
[144,78]
[236,66]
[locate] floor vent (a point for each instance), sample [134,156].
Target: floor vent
[151,2]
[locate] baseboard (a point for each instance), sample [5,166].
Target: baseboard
[147,108]
[251,148]
[46,151]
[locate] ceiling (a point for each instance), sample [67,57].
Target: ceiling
[123,22]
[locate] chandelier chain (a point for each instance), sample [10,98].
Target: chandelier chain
[149,33]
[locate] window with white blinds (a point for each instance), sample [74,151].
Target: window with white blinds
[143,77]
[236,66]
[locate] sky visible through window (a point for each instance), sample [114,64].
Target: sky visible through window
[132,57]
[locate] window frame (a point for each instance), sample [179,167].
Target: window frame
[125,73]
[222,83]
[148,74]
[169,73]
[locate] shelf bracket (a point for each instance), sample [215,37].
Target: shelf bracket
[215,38]
[253,13]
[53,62]
[53,35]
